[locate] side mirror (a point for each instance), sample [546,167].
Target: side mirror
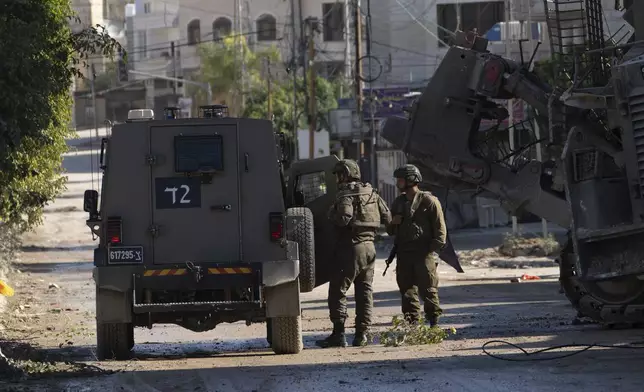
[90,202]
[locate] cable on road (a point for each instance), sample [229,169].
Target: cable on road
[529,356]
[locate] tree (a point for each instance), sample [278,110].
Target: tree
[221,67]
[106,79]
[41,55]
[282,100]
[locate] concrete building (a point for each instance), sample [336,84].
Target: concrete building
[263,23]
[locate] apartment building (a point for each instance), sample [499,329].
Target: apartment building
[264,23]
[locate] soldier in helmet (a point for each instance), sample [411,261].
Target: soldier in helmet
[357,213]
[419,226]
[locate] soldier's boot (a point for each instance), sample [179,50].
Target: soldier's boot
[361,338]
[336,339]
[411,319]
[433,321]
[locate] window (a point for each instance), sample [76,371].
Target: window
[481,16]
[309,187]
[143,44]
[333,21]
[266,28]
[445,18]
[194,32]
[147,8]
[331,69]
[221,28]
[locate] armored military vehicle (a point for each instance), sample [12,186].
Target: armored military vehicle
[589,124]
[200,224]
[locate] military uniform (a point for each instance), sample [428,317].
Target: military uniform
[358,211]
[421,234]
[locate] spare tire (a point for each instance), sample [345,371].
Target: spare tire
[300,229]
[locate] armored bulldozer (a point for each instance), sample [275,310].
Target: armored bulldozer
[592,134]
[200,223]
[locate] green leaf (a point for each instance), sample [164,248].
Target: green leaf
[41,56]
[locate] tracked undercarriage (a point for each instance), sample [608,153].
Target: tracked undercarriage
[591,178]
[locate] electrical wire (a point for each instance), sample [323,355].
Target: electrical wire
[527,358]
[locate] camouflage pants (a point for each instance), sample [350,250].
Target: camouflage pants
[416,274]
[355,266]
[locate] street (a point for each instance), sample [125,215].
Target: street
[54,309]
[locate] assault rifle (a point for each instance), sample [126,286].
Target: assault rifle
[390,259]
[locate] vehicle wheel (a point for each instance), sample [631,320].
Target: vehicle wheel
[113,340]
[303,234]
[269,331]
[287,335]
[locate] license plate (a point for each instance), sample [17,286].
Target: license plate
[125,255]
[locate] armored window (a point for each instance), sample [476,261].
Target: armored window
[266,28]
[198,154]
[333,21]
[194,32]
[309,187]
[221,28]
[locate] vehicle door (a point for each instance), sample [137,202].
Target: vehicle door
[311,184]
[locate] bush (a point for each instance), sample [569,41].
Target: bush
[41,57]
[519,245]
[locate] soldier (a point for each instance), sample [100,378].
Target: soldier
[358,211]
[419,226]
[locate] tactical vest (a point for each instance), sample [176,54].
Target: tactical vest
[409,230]
[366,213]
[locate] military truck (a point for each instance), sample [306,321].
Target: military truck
[199,224]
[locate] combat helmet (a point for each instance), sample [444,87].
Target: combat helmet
[410,173]
[349,168]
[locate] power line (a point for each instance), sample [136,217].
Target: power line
[146,50]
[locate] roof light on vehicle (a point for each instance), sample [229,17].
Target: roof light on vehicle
[140,115]
[171,113]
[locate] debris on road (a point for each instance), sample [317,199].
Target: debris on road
[5,289]
[524,278]
[404,333]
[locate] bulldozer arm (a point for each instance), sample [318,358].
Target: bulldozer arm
[444,135]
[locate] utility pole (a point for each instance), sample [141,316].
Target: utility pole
[372,109]
[347,40]
[174,67]
[508,55]
[241,54]
[93,87]
[358,74]
[312,76]
[295,66]
[269,89]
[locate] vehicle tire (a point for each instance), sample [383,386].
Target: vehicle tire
[287,335]
[113,340]
[303,234]
[269,331]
